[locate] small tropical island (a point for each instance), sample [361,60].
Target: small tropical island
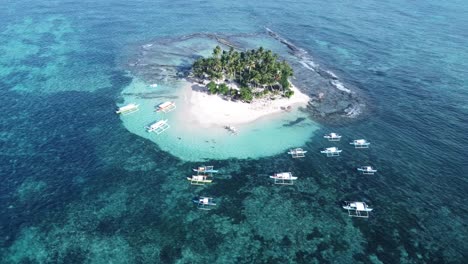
[247,76]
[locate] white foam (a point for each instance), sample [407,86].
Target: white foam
[338,85]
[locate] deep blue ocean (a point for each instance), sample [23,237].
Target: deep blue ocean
[77,187]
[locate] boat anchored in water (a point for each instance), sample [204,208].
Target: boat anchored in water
[332,137]
[158,127]
[204,203]
[205,169]
[360,143]
[357,209]
[284,178]
[200,179]
[128,109]
[297,153]
[231,129]
[332,152]
[154,85]
[367,170]
[166,107]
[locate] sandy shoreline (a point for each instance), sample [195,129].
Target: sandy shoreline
[213,110]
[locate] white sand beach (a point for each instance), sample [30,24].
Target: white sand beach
[212,110]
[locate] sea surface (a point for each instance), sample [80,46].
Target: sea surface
[78,187]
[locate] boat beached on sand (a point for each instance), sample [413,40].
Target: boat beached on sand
[231,129]
[128,109]
[284,178]
[357,209]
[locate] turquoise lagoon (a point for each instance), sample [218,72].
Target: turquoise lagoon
[79,187]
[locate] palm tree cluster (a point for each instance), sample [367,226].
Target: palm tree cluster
[253,69]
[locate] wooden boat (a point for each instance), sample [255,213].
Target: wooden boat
[360,143]
[284,178]
[158,127]
[127,109]
[199,179]
[332,152]
[297,153]
[166,107]
[204,203]
[357,209]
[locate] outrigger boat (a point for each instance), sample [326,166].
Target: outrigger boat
[297,153]
[231,129]
[284,178]
[332,152]
[154,85]
[200,179]
[166,107]
[332,137]
[205,169]
[368,170]
[158,127]
[204,203]
[357,209]
[128,109]
[360,143]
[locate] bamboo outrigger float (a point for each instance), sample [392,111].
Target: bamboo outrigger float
[357,209]
[166,107]
[284,178]
[204,203]
[127,109]
[297,153]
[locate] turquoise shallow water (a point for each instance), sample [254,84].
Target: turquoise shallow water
[77,187]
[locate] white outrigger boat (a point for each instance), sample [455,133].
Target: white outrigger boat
[360,143]
[297,153]
[158,127]
[200,179]
[205,169]
[231,129]
[332,137]
[204,203]
[166,107]
[332,152]
[284,178]
[368,170]
[154,85]
[357,209]
[128,109]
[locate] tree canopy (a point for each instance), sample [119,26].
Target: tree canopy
[252,69]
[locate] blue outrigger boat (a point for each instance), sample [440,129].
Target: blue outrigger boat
[205,169]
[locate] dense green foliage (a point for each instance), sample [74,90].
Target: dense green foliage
[253,69]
